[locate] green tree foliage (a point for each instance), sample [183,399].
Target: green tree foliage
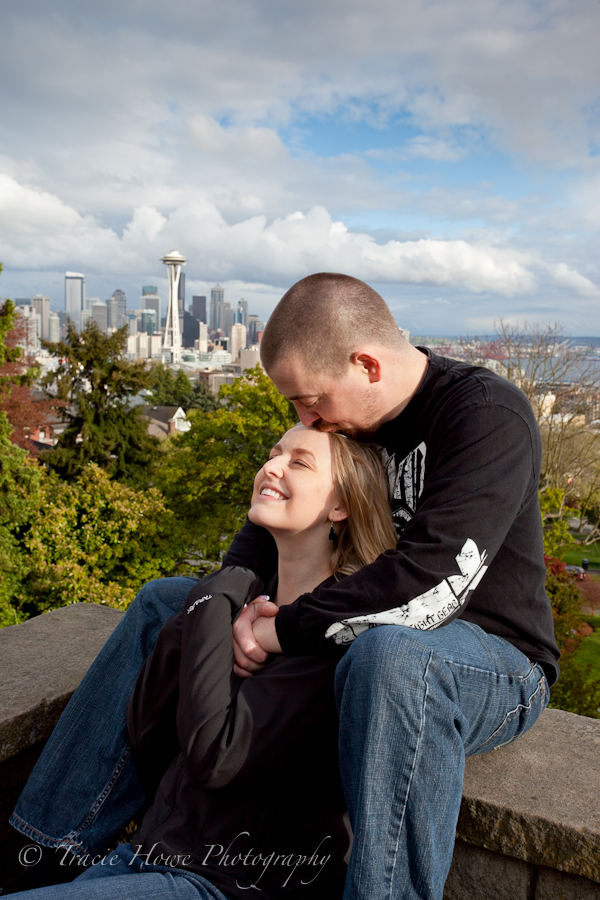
[97,383]
[576,690]
[207,478]
[169,389]
[95,540]
[20,479]
[555,515]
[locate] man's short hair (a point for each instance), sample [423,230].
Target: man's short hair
[324,319]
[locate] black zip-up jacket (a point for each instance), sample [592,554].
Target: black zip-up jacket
[463,461]
[251,798]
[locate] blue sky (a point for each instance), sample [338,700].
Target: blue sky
[447,152]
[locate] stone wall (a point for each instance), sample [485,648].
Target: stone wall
[529,825]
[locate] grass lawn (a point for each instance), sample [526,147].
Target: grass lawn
[589,652]
[591,552]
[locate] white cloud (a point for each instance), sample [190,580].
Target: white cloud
[256,249]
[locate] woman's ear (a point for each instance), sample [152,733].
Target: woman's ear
[338,513]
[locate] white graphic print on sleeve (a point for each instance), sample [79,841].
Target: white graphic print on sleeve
[428,610]
[406,480]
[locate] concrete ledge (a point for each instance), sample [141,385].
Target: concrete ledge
[537,799]
[41,663]
[529,825]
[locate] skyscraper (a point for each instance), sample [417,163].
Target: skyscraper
[74,297]
[151,300]
[100,316]
[241,313]
[41,306]
[116,309]
[199,309]
[217,297]
[181,299]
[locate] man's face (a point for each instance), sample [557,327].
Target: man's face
[329,404]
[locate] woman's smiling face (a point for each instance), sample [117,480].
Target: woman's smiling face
[294,492]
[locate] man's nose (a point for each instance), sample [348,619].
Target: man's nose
[305,415]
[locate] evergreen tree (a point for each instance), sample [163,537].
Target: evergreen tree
[169,389]
[97,384]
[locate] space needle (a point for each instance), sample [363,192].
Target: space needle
[172,339]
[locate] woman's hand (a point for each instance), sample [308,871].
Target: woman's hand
[254,636]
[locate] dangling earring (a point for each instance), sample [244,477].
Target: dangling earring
[332,535]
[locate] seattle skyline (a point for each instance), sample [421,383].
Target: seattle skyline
[448,154]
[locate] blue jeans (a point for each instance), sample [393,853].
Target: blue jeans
[412,705]
[123,876]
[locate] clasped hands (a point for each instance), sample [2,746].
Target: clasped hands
[254,636]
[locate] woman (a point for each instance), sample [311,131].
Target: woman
[249,801]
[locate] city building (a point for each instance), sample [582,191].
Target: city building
[255,328]
[151,300]
[181,299]
[238,340]
[41,305]
[74,297]
[100,316]
[199,308]
[249,359]
[241,313]
[148,321]
[116,304]
[217,298]
[202,338]
[191,330]
[53,328]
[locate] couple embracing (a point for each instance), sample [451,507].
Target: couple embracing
[388,613]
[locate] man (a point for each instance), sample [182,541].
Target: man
[466,667]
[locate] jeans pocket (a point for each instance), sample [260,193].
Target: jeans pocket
[521,718]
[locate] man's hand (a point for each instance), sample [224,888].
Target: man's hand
[248,652]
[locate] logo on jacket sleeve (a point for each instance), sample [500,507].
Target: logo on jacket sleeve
[430,609]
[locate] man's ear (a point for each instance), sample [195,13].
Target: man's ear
[369,362]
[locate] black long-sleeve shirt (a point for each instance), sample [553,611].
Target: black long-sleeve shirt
[463,460]
[252,793]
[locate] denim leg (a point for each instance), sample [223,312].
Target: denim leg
[123,876]
[84,788]
[412,705]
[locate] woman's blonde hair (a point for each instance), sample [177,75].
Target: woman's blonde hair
[360,483]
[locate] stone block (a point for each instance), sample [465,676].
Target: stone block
[526,800]
[41,663]
[553,885]
[480,874]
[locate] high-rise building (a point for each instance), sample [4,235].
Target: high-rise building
[148,321]
[241,313]
[226,322]
[217,297]
[53,328]
[74,297]
[116,304]
[100,316]
[238,340]
[151,300]
[199,309]
[203,337]
[181,299]
[191,330]
[41,305]
[254,327]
